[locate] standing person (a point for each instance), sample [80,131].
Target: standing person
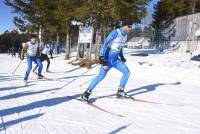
[51,51]
[19,51]
[54,49]
[111,55]
[9,51]
[13,52]
[58,49]
[33,53]
[43,57]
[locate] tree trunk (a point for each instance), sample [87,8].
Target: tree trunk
[82,50]
[91,44]
[78,47]
[97,43]
[90,51]
[57,39]
[87,50]
[40,36]
[103,32]
[194,7]
[70,45]
[67,56]
[97,50]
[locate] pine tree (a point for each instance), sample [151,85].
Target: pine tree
[167,10]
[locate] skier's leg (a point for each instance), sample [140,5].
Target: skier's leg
[94,83]
[48,63]
[98,79]
[29,62]
[51,54]
[36,66]
[122,67]
[40,66]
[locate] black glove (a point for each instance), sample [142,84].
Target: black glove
[123,59]
[102,60]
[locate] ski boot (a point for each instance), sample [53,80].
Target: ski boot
[40,77]
[121,93]
[85,96]
[25,82]
[48,71]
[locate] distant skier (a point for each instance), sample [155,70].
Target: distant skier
[13,52]
[51,51]
[19,52]
[33,53]
[44,57]
[111,55]
[9,51]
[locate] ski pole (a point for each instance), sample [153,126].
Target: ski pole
[17,67]
[79,76]
[86,82]
[69,82]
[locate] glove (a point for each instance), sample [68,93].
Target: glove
[123,59]
[102,60]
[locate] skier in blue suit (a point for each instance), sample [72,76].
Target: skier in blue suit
[111,55]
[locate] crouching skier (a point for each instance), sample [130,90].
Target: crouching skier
[111,55]
[33,53]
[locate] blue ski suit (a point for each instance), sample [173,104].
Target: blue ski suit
[112,51]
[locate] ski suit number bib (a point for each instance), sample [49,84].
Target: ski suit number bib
[32,49]
[118,43]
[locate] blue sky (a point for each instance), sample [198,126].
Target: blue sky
[6,16]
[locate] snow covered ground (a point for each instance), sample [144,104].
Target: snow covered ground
[166,89]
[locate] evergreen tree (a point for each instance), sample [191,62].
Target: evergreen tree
[167,10]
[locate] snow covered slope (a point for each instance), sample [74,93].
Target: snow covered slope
[166,89]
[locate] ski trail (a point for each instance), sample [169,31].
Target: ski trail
[21,126]
[85,130]
[63,122]
[45,128]
[18,103]
[33,112]
[69,82]
[84,83]
[97,107]
[10,93]
[18,114]
[3,125]
[47,79]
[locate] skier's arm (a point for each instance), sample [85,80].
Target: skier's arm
[23,51]
[107,41]
[121,54]
[38,52]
